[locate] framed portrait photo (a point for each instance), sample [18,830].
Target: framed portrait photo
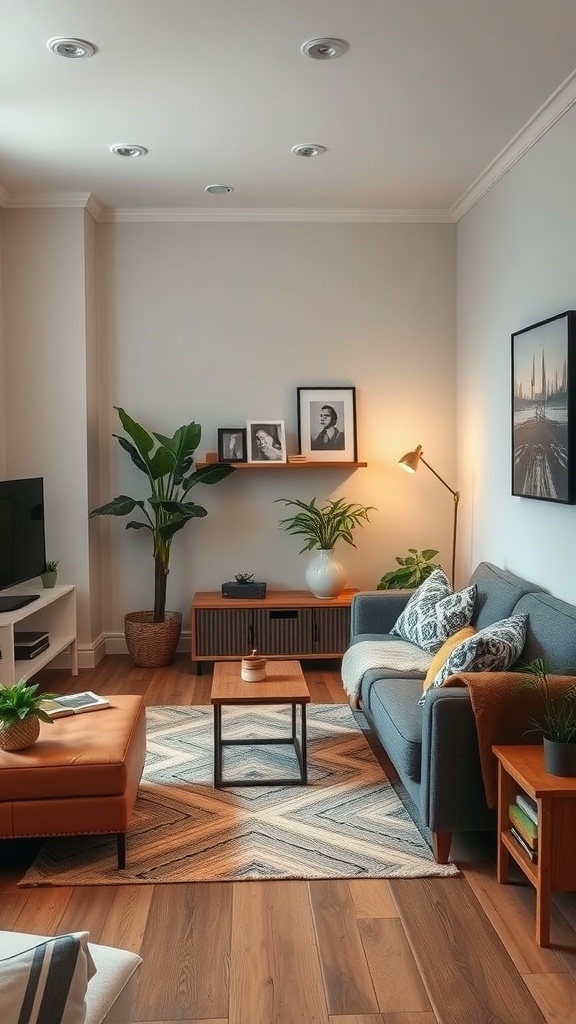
[543,414]
[232,444]
[266,441]
[327,424]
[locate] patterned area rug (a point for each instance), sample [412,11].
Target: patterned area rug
[348,822]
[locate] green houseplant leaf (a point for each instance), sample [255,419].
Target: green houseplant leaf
[557,721]
[167,462]
[21,701]
[322,527]
[415,567]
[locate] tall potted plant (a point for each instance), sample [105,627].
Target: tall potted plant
[152,637]
[321,528]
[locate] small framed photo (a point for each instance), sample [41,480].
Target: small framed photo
[327,424]
[231,444]
[543,412]
[266,441]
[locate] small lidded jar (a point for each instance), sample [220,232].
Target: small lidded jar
[253,668]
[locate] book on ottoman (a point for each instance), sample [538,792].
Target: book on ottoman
[74,704]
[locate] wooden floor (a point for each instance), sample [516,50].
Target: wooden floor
[456,951]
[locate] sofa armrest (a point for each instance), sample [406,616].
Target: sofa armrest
[376,611]
[452,795]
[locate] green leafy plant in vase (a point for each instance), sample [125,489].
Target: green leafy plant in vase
[556,721]
[167,463]
[20,714]
[413,569]
[321,527]
[50,574]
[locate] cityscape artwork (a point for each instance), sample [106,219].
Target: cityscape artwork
[543,371]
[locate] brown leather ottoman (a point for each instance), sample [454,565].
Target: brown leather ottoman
[80,777]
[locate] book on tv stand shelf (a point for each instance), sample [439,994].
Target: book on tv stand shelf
[74,704]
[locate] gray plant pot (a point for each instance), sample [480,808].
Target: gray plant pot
[48,579]
[560,758]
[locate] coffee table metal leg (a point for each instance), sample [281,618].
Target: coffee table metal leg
[217,745]
[304,742]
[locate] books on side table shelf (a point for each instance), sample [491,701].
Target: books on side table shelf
[523,815]
[74,704]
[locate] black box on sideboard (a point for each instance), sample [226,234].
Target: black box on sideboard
[245,590]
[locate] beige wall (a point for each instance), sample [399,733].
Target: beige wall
[516,260]
[221,323]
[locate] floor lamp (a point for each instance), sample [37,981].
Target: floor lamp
[410,463]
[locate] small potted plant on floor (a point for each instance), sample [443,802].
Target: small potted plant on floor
[50,574]
[152,636]
[557,719]
[321,528]
[20,715]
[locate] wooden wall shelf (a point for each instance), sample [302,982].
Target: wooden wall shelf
[286,465]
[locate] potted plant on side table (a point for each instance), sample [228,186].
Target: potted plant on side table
[50,574]
[20,715]
[557,719]
[152,636]
[321,528]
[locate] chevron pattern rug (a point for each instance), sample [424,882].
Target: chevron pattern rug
[348,822]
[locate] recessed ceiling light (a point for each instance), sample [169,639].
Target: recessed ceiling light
[127,149]
[218,190]
[324,49]
[73,48]
[308,149]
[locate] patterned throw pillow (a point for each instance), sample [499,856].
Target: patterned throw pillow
[493,649]
[435,612]
[48,981]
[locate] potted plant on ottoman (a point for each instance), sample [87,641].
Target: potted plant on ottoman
[557,720]
[152,636]
[20,715]
[321,528]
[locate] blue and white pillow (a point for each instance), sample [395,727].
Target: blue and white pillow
[48,981]
[435,612]
[493,649]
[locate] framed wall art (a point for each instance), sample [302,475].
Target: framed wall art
[266,441]
[232,444]
[543,414]
[327,424]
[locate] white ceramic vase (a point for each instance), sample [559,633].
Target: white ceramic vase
[324,575]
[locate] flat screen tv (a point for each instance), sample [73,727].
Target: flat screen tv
[22,539]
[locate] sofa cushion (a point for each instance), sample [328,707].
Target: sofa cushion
[550,631]
[392,705]
[443,654]
[497,593]
[493,649]
[47,982]
[435,612]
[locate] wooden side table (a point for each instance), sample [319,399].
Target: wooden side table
[521,768]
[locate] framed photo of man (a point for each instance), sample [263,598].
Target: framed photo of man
[266,441]
[327,424]
[231,444]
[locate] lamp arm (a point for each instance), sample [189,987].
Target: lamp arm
[456,496]
[438,477]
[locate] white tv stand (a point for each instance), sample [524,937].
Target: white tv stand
[55,611]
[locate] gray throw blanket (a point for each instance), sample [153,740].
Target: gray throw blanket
[394,655]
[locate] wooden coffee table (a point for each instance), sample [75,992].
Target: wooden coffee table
[284,684]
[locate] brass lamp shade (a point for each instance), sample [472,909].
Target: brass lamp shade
[410,463]
[411,460]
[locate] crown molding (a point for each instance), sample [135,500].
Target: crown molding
[280,214]
[49,200]
[549,113]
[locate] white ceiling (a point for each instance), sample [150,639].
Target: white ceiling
[428,96]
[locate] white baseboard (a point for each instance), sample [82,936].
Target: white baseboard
[90,655]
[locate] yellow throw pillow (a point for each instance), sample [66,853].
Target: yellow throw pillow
[444,653]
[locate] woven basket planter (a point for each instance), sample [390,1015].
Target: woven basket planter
[21,734]
[152,644]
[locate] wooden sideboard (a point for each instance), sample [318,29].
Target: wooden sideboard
[285,624]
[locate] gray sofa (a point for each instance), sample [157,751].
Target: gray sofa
[434,747]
